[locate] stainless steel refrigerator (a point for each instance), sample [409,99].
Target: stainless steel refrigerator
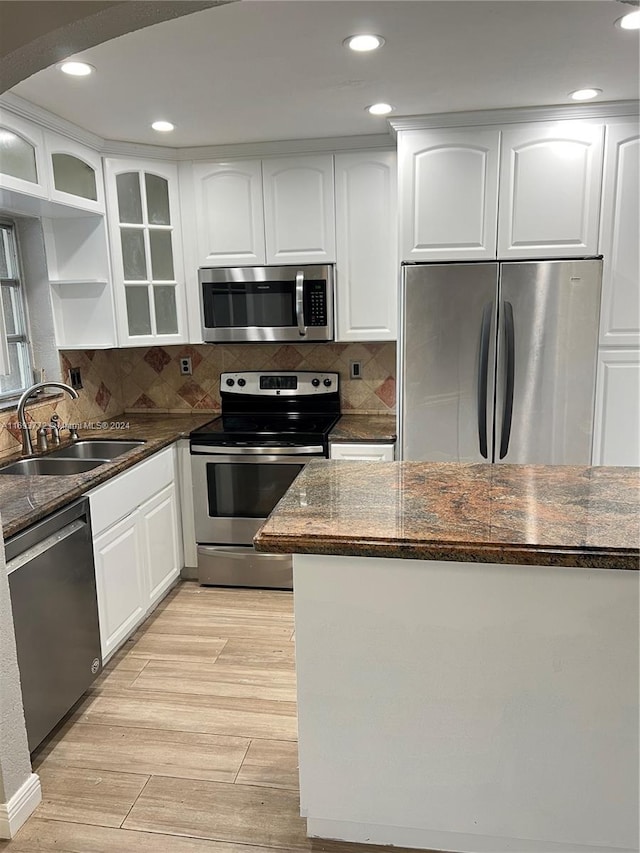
[498,361]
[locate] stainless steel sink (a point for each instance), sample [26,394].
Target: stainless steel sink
[52,467]
[95,448]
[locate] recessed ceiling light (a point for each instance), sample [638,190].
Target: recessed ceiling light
[379,109]
[162,126]
[76,69]
[363,43]
[585,94]
[630,21]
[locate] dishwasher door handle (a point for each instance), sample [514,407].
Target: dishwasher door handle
[36,550]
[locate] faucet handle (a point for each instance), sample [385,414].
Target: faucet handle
[55,429]
[41,435]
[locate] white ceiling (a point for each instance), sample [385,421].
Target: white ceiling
[260,70]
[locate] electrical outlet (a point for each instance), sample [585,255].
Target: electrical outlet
[185,366]
[355,369]
[75,378]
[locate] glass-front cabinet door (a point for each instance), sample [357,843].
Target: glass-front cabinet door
[75,173]
[22,160]
[144,229]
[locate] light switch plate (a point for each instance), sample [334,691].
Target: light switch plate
[355,370]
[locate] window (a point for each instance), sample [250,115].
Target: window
[15,322]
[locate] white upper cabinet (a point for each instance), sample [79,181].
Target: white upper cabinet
[449,193]
[146,251]
[274,211]
[75,173]
[619,230]
[367,246]
[22,157]
[229,213]
[550,180]
[299,209]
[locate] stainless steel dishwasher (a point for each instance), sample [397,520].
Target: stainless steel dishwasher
[55,613]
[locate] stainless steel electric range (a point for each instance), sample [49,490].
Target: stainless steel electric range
[244,461]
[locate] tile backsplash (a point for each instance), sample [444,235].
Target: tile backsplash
[149,379]
[100,397]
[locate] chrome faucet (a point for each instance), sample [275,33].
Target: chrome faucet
[27,444]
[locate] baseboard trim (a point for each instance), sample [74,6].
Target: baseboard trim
[447,842]
[23,803]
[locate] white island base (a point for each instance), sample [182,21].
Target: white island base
[468,706]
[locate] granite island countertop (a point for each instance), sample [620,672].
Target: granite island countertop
[523,514]
[25,499]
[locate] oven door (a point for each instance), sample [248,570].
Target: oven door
[235,488]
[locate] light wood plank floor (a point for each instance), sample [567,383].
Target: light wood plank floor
[186,743]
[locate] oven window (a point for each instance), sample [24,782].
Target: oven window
[247,490]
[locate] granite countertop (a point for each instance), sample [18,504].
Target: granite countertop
[25,499]
[524,514]
[379,429]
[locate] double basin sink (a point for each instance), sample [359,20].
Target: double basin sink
[78,458]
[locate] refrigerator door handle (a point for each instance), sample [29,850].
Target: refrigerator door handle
[483,371]
[510,368]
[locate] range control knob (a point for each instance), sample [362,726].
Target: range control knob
[230,382]
[242,382]
[315,382]
[327,383]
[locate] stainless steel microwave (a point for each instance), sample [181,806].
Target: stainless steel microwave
[267,304]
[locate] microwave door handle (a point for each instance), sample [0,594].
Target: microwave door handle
[302,329]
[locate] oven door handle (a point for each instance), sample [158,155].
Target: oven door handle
[311,450]
[302,329]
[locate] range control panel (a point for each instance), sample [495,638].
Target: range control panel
[280,383]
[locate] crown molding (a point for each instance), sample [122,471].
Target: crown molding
[288,147]
[117,148]
[515,115]
[25,109]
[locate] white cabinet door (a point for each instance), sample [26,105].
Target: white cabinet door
[550,181]
[619,230]
[617,421]
[299,209]
[362,452]
[449,191]
[367,246]
[120,582]
[159,531]
[22,157]
[75,173]
[229,213]
[146,250]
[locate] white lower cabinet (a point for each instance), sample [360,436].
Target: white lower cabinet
[617,421]
[120,582]
[137,545]
[358,452]
[158,521]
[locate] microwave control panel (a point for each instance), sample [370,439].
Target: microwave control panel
[315,309]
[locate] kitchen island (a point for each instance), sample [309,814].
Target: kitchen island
[467,653]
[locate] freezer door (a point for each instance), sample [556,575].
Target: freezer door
[447,361]
[546,365]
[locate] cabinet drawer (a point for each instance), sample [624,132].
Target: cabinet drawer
[360,452]
[122,495]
